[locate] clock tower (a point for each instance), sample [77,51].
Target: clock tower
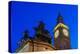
[61,35]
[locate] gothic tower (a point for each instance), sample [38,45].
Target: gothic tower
[61,35]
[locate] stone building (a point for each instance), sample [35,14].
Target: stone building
[42,39]
[61,35]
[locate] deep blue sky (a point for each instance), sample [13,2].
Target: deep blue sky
[26,15]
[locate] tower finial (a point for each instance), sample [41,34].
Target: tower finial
[59,19]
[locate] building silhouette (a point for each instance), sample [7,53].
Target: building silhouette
[42,39]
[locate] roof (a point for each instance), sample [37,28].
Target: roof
[29,41]
[61,25]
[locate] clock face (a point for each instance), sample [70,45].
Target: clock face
[65,32]
[56,33]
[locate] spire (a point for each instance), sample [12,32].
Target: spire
[42,34]
[24,38]
[59,19]
[41,25]
[26,34]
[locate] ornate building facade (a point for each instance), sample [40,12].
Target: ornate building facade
[42,39]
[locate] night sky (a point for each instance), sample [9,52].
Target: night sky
[26,16]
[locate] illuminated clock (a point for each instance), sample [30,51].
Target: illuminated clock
[56,34]
[65,32]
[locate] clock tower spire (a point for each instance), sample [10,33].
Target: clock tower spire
[61,35]
[59,19]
